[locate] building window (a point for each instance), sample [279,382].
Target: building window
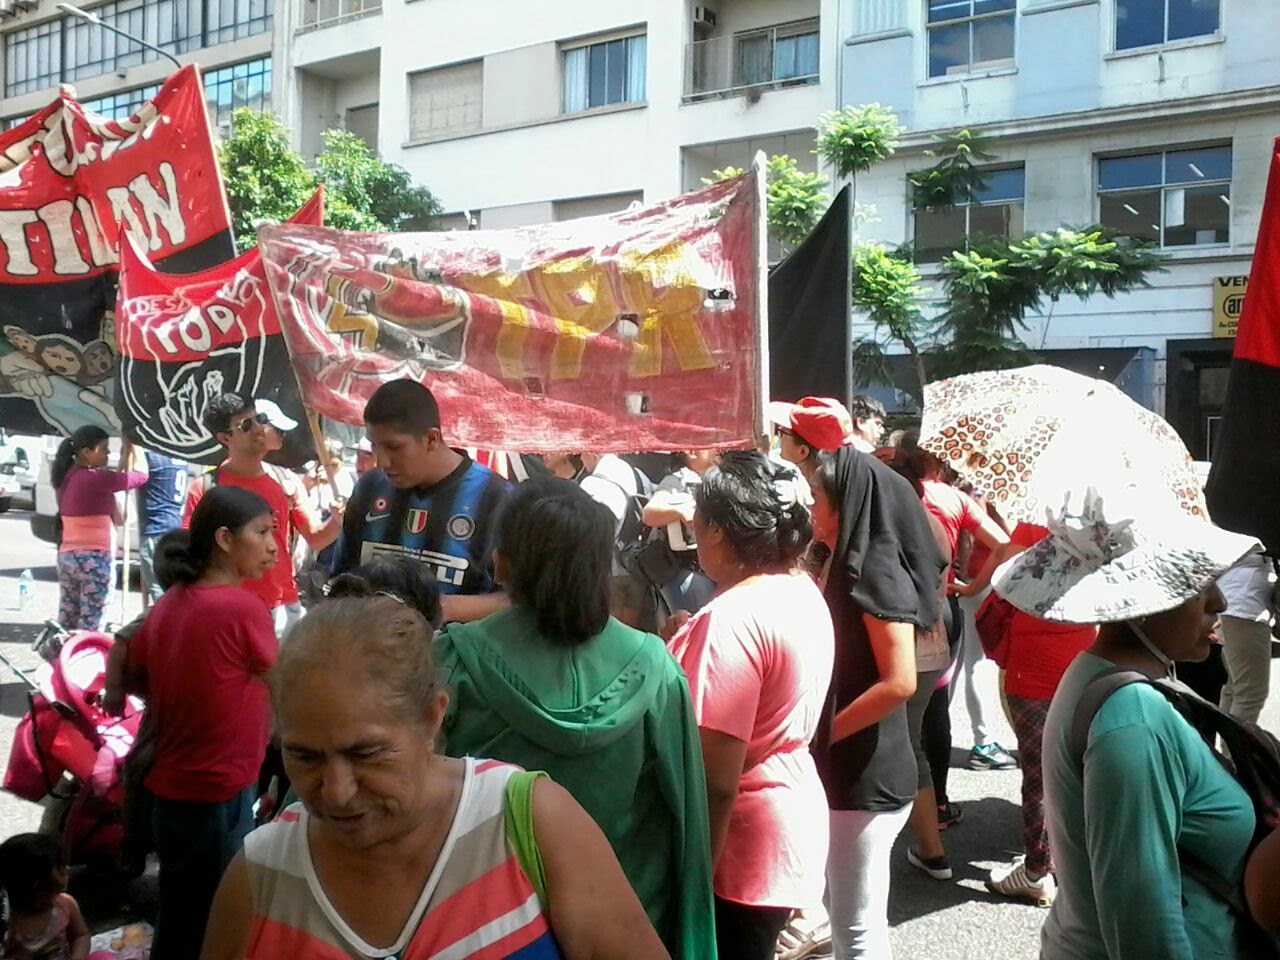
[786,52]
[1176,198]
[67,49]
[230,88]
[229,20]
[970,35]
[995,211]
[363,122]
[446,100]
[32,58]
[121,106]
[599,74]
[1145,23]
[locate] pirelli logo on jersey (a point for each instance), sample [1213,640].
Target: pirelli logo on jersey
[447,569]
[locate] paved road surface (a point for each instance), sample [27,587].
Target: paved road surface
[958,920]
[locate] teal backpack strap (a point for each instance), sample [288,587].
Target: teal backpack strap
[519,820]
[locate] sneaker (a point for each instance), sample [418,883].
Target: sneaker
[937,867]
[991,756]
[949,814]
[1014,881]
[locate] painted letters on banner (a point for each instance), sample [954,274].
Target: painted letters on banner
[187,338]
[70,180]
[633,331]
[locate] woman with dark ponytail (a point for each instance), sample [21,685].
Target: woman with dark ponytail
[758,659]
[557,684]
[86,502]
[198,660]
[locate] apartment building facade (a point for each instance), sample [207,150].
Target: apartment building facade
[1152,116]
[44,47]
[1155,117]
[519,113]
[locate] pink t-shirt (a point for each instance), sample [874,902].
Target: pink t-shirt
[758,658]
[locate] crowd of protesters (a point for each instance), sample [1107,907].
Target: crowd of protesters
[588,715]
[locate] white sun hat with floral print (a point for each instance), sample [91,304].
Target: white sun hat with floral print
[1091,569]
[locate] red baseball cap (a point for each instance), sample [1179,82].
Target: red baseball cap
[821,422]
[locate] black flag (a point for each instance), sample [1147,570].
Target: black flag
[809,352]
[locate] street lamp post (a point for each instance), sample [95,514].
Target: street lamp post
[89,17]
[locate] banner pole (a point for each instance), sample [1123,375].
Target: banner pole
[758,167]
[322,452]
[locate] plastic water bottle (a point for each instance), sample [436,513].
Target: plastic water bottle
[26,588]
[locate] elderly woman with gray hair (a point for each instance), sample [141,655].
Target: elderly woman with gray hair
[396,849]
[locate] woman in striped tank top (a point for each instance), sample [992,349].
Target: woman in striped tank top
[396,851]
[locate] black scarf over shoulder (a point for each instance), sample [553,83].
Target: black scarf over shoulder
[886,558]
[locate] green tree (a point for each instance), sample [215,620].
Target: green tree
[796,199]
[886,285]
[267,179]
[957,176]
[991,287]
[857,138]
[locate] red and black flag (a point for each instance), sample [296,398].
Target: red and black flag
[1246,459]
[70,182]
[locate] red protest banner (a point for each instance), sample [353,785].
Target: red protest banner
[635,331]
[186,338]
[70,182]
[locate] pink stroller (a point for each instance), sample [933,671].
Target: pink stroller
[67,749]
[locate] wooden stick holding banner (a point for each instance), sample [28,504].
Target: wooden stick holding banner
[322,450]
[759,165]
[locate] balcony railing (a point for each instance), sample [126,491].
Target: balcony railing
[327,13]
[739,63]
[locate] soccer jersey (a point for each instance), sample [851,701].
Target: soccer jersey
[446,525]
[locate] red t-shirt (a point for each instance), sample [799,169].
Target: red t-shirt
[201,652]
[956,511]
[293,511]
[1039,650]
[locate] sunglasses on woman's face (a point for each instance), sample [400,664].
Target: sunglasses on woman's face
[245,425]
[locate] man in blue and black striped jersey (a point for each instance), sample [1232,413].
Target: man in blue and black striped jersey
[425,500]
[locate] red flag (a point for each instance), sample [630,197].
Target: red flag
[186,338]
[1246,458]
[70,181]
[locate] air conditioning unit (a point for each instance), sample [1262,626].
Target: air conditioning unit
[6,9]
[25,4]
[704,18]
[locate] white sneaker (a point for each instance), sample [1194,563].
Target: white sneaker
[1013,881]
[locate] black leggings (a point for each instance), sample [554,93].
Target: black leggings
[748,933]
[936,728]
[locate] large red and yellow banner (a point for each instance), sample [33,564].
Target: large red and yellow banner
[635,331]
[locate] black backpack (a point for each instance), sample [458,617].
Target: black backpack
[1252,757]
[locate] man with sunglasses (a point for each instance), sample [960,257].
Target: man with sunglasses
[249,434]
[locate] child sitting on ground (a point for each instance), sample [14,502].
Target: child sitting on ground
[43,921]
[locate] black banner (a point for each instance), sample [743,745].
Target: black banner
[809,311]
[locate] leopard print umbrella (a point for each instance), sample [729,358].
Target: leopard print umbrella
[1030,436]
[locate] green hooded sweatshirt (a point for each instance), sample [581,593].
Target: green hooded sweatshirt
[611,721]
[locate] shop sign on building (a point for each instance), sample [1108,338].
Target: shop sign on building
[1228,299]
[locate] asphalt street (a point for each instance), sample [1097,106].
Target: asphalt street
[955,920]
